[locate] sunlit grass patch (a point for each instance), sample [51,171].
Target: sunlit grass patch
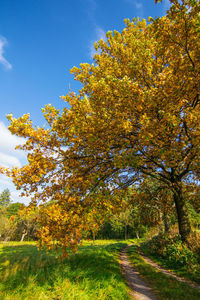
[92,273]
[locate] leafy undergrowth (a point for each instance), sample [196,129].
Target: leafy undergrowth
[165,287]
[170,253]
[92,273]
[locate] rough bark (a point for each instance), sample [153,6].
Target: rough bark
[182,213]
[166,222]
[125,232]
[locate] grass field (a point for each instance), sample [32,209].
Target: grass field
[92,273]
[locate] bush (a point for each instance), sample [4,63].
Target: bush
[173,249]
[157,245]
[193,243]
[179,254]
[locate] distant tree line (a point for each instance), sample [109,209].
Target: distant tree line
[15,222]
[141,208]
[149,205]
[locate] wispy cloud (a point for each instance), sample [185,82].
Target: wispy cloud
[166,4]
[10,157]
[15,197]
[90,8]
[9,161]
[3,61]
[5,182]
[8,142]
[100,34]
[138,5]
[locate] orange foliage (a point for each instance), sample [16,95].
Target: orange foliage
[136,115]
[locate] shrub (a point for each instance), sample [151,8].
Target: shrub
[173,249]
[193,243]
[179,254]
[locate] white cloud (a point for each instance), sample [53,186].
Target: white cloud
[100,34]
[166,4]
[138,5]
[10,157]
[5,182]
[9,161]
[8,142]
[3,61]
[91,7]
[15,197]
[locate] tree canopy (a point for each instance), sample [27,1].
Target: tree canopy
[137,115]
[5,198]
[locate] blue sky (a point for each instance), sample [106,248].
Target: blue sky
[40,41]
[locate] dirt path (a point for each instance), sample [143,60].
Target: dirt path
[168,273]
[140,290]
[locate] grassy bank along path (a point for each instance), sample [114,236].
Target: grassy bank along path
[168,273]
[165,287]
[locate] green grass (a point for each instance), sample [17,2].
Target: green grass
[164,286]
[184,271]
[92,273]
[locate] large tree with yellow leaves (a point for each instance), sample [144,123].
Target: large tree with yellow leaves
[136,115]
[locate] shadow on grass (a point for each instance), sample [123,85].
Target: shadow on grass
[19,264]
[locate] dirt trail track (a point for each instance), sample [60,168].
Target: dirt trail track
[140,290]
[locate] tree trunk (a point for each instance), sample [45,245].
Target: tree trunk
[166,222]
[23,236]
[125,232]
[160,226]
[93,236]
[182,213]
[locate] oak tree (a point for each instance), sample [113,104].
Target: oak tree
[137,114]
